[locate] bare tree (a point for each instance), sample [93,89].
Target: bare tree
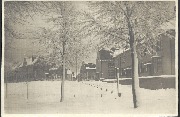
[135,25]
[59,38]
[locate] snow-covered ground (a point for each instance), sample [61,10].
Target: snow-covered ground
[86,97]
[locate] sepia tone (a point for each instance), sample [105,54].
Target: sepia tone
[90,57]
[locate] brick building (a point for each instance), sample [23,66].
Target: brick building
[105,64]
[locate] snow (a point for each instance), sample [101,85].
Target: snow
[54,68]
[85,98]
[155,56]
[106,80]
[90,68]
[118,52]
[169,25]
[147,63]
[160,76]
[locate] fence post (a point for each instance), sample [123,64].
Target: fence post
[119,94]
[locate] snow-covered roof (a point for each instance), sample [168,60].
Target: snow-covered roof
[54,68]
[16,66]
[156,56]
[128,68]
[30,61]
[20,65]
[147,63]
[118,52]
[169,25]
[90,68]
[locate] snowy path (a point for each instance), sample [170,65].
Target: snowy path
[86,97]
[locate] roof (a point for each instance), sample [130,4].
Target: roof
[105,54]
[29,61]
[16,66]
[169,25]
[54,68]
[90,68]
[118,52]
[90,65]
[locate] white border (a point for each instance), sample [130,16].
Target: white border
[82,115]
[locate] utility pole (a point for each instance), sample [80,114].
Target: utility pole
[63,79]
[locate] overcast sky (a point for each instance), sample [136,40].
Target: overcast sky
[26,47]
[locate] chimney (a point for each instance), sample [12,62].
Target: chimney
[24,62]
[33,58]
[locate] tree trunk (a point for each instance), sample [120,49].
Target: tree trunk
[27,84]
[6,86]
[134,58]
[135,79]
[63,79]
[118,82]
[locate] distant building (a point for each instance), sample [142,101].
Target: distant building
[105,64]
[88,71]
[56,72]
[69,74]
[32,68]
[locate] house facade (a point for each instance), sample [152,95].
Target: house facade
[160,62]
[88,71]
[30,69]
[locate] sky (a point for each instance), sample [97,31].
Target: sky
[29,46]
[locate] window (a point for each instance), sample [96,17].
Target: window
[145,51]
[123,72]
[159,64]
[142,68]
[111,65]
[111,73]
[158,46]
[146,68]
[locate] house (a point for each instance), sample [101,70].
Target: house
[156,70]
[88,71]
[161,62]
[105,64]
[32,68]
